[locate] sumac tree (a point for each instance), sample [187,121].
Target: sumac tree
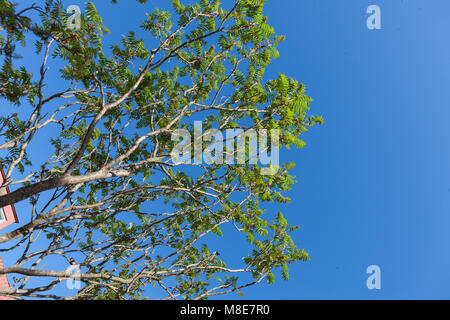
[103,192]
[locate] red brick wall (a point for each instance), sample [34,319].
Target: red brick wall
[3,281]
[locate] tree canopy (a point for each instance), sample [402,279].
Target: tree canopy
[108,198]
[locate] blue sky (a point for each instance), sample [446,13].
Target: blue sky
[374,180]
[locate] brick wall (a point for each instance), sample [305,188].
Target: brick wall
[3,281]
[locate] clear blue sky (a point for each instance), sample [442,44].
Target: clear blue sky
[374,181]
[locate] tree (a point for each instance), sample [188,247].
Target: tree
[109,199]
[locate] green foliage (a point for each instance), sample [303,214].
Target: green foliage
[114,128]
